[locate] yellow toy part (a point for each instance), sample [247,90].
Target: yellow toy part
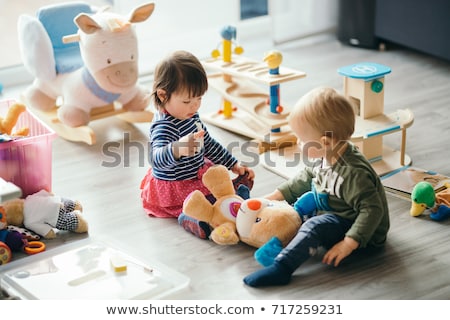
[9,121]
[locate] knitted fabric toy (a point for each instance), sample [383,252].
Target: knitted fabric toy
[13,239]
[42,212]
[95,67]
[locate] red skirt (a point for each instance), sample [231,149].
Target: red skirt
[164,199]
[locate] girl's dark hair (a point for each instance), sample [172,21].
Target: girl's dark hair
[180,71]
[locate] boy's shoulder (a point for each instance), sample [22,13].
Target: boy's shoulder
[354,160]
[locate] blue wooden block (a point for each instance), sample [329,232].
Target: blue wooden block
[364,70]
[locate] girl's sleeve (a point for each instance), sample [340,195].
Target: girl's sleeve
[162,135]
[216,152]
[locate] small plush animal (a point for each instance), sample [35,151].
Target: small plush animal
[42,212]
[8,122]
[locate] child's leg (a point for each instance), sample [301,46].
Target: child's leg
[200,229]
[243,180]
[325,229]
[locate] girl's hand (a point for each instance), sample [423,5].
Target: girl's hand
[188,145]
[241,170]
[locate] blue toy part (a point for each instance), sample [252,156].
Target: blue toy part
[243,191]
[266,254]
[228,33]
[366,71]
[441,214]
[306,205]
[41,40]
[58,22]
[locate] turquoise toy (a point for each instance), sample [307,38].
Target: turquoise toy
[306,207]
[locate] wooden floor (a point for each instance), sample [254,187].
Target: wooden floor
[416,261]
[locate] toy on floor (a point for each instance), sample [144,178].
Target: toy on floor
[91,65]
[42,212]
[424,197]
[220,216]
[267,225]
[228,34]
[10,120]
[364,86]
[237,80]
[10,238]
[273,59]
[232,219]
[305,207]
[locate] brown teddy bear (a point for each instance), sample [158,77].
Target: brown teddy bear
[233,219]
[42,212]
[220,214]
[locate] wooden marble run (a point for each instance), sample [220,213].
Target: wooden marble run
[364,86]
[248,109]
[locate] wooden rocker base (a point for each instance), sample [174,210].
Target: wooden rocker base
[85,133]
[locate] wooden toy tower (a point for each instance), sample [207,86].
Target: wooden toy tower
[364,86]
[248,109]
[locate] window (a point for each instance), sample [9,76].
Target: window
[253,8]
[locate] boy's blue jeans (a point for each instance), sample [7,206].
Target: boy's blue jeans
[324,230]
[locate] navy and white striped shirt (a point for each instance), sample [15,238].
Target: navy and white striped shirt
[164,130]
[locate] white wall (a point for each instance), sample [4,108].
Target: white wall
[293,19]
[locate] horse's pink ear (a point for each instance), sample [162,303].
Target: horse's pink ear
[142,13]
[86,23]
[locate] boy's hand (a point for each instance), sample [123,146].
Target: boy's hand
[188,145]
[339,251]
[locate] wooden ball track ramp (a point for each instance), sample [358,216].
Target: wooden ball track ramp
[257,113]
[364,86]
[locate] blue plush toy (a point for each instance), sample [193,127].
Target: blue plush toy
[306,207]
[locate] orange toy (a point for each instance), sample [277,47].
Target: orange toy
[9,121]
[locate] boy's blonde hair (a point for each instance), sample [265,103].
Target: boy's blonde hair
[327,111]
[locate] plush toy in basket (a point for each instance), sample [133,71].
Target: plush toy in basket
[86,58]
[42,212]
[8,122]
[10,240]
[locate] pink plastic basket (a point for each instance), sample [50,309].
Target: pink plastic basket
[27,162]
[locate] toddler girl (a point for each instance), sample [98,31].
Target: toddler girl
[181,149]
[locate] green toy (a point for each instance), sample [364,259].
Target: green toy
[424,197]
